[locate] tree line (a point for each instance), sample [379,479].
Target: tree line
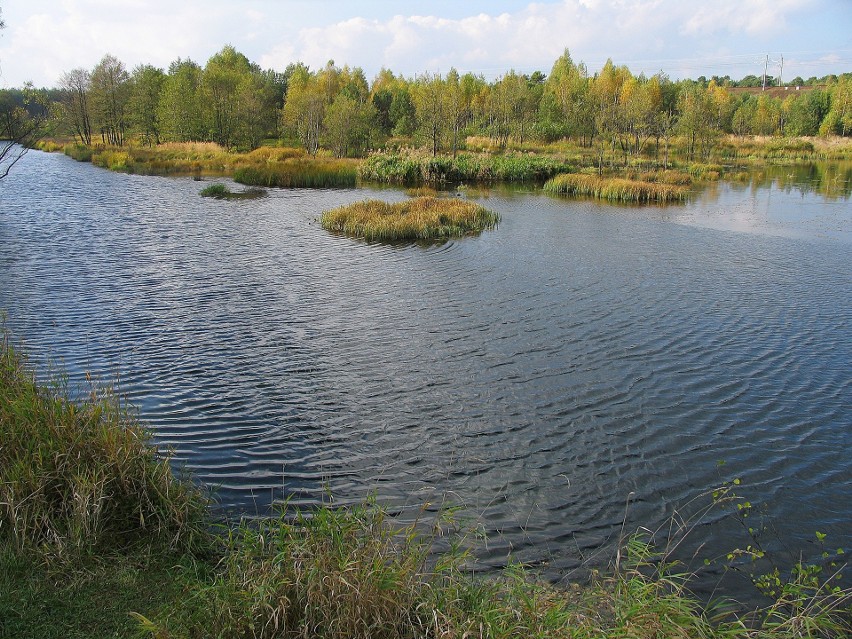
[232,101]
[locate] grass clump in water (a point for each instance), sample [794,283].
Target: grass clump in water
[221,192]
[422,218]
[79,476]
[615,189]
[214,190]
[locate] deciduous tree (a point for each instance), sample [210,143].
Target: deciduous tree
[180,108]
[75,86]
[110,93]
[146,88]
[429,100]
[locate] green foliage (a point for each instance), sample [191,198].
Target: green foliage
[146,88]
[214,190]
[345,573]
[79,476]
[179,109]
[413,167]
[423,218]
[113,160]
[109,95]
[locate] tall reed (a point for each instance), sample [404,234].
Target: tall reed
[615,189]
[299,172]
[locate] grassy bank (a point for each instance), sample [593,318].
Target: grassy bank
[83,476]
[98,539]
[267,166]
[422,218]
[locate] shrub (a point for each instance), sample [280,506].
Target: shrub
[79,152]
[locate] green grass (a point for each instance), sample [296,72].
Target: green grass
[214,190]
[95,596]
[422,218]
[76,477]
[615,189]
[79,152]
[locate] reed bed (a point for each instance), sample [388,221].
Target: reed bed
[423,218]
[667,176]
[265,166]
[615,189]
[299,173]
[76,476]
[411,166]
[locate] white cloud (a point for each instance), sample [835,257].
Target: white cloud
[752,17]
[46,37]
[532,37]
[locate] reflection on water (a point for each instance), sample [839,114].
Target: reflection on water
[807,201]
[832,181]
[537,374]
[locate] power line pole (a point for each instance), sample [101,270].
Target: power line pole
[765,65]
[781,71]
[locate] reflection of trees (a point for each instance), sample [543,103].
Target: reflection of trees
[833,181]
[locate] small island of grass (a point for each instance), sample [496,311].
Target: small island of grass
[616,189]
[221,192]
[422,218]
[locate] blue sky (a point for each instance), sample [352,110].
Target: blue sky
[684,38]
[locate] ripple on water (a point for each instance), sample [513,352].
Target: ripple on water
[537,374]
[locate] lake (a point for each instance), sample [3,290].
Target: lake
[540,375]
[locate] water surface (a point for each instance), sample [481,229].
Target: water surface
[538,374]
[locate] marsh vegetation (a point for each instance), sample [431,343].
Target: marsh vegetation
[615,189]
[220,191]
[421,218]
